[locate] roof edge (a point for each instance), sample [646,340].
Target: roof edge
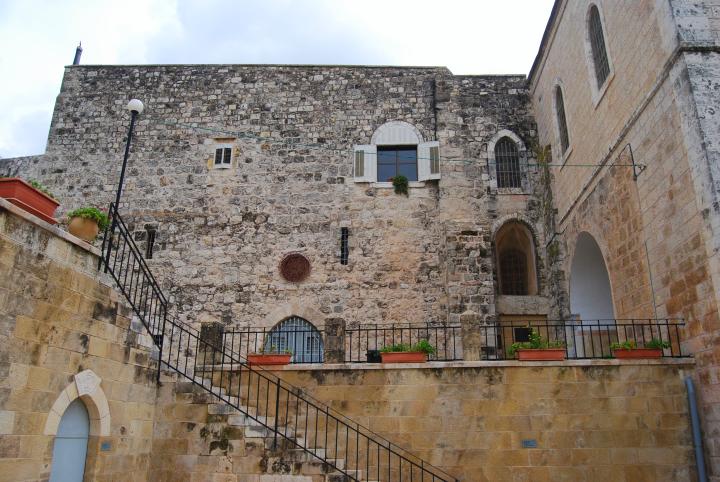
[545,39]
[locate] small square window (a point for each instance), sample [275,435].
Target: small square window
[223,157]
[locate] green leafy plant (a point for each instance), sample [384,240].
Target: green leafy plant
[657,344]
[536,342]
[273,350]
[400,183]
[423,346]
[95,214]
[41,188]
[654,344]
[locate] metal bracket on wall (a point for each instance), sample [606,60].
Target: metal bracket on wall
[637,168]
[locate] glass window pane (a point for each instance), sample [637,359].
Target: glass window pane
[385,172]
[409,171]
[406,155]
[386,156]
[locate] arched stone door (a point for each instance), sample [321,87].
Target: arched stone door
[71,441]
[590,294]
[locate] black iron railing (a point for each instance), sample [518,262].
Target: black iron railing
[305,344]
[584,339]
[291,417]
[363,343]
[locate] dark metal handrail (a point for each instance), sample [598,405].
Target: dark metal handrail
[371,337]
[584,339]
[283,409]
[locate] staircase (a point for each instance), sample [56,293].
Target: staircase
[265,406]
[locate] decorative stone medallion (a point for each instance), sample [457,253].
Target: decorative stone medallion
[295,267]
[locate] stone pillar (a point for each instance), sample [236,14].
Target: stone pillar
[211,342]
[334,340]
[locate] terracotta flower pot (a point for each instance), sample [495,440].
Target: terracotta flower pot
[269,358]
[84,228]
[638,353]
[542,354]
[404,357]
[26,197]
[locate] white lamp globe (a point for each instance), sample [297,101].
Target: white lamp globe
[135,106]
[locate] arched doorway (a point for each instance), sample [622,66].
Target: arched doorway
[300,337]
[71,441]
[590,294]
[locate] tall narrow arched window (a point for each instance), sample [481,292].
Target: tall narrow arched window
[561,120]
[297,336]
[513,272]
[515,251]
[597,45]
[507,163]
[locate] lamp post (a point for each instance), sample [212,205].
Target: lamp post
[135,107]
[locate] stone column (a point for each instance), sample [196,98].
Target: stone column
[334,340]
[211,342]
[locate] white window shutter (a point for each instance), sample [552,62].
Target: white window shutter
[365,163]
[428,160]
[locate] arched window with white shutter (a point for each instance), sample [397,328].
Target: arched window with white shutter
[397,148]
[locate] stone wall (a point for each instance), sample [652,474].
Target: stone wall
[64,335]
[657,233]
[221,233]
[600,420]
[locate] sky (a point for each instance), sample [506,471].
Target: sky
[39,38]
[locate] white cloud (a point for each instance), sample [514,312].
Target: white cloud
[39,37]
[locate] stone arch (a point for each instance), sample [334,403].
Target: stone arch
[86,387]
[516,258]
[590,288]
[396,133]
[292,308]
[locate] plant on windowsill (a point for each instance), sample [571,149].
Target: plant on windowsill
[537,349]
[629,350]
[400,184]
[86,223]
[406,353]
[30,196]
[270,357]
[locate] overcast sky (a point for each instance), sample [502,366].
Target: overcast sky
[39,37]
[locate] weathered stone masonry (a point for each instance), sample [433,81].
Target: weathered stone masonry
[222,233]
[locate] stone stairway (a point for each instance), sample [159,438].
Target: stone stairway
[231,444]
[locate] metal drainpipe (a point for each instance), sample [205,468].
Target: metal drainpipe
[697,437]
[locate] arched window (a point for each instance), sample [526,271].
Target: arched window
[515,249]
[507,163]
[300,337]
[561,120]
[597,45]
[71,442]
[513,272]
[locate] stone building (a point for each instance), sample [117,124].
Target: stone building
[582,197]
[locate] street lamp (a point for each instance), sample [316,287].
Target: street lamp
[135,107]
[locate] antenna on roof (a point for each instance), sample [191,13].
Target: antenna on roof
[78,53]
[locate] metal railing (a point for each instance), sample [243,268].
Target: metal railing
[363,343]
[583,339]
[305,344]
[291,417]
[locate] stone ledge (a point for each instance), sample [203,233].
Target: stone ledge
[6,205]
[684,361]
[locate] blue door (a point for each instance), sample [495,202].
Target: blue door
[70,449]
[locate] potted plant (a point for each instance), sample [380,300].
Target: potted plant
[400,184]
[629,349]
[270,357]
[406,353]
[86,223]
[537,349]
[31,196]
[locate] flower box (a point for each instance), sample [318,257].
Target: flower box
[540,354]
[26,197]
[637,353]
[269,358]
[404,357]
